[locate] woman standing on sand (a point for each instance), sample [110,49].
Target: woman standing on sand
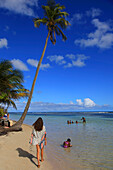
[39,138]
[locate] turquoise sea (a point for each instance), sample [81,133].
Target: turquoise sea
[92,142]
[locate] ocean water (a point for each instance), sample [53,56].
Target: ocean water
[92,143]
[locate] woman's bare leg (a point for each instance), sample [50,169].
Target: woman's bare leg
[42,151]
[38,155]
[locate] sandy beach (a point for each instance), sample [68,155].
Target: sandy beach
[16,153]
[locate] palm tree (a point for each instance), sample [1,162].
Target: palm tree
[53,18]
[9,78]
[8,98]
[11,87]
[5,100]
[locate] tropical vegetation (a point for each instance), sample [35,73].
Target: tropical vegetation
[11,87]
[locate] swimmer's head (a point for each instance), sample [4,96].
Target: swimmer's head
[69,140]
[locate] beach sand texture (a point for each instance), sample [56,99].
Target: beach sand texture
[15,152]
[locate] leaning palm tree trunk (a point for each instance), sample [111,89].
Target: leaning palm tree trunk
[17,125]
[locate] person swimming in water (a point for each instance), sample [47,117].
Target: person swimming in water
[84,120]
[67,143]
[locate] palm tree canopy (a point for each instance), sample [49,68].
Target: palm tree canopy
[9,78]
[54,17]
[4,99]
[11,87]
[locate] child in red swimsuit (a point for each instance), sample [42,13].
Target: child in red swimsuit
[67,143]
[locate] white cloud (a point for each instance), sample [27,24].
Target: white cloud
[89,103]
[77,60]
[68,65]
[34,63]
[75,18]
[71,102]
[94,12]
[102,26]
[80,18]
[102,37]
[86,103]
[45,66]
[80,61]
[79,102]
[24,7]
[18,64]
[57,59]
[3,43]
[71,56]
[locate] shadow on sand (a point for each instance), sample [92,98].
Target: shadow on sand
[23,153]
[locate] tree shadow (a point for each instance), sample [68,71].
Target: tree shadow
[23,153]
[2,131]
[5,131]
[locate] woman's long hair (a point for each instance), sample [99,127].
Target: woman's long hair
[38,125]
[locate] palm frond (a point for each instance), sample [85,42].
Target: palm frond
[57,31]
[61,14]
[7,101]
[60,31]
[47,11]
[45,7]
[12,103]
[60,7]
[38,21]
[62,23]
[53,38]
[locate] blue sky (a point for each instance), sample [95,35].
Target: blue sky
[76,75]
